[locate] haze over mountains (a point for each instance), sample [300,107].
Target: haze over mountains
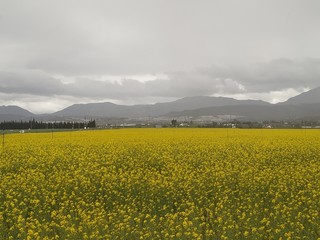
[158,109]
[305,105]
[302,106]
[312,96]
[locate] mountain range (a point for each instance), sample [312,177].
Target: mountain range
[305,105]
[152,110]
[8,113]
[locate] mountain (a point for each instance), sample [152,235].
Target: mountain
[309,97]
[188,103]
[96,110]
[256,113]
[305,105]
[10,113]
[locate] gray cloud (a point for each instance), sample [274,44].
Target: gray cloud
[30,82]
[203,47]
[276,75]
[126,37]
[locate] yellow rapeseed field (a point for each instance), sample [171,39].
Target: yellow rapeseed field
[161,184]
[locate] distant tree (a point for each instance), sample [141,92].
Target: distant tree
[33,124]
[174,122]
[92,123]
[214,124]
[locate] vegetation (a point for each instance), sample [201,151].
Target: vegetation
[33,124]
[161,184]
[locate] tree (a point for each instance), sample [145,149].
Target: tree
[174,122]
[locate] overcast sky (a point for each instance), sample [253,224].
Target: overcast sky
[56,53]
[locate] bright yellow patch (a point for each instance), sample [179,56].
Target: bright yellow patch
[161,184]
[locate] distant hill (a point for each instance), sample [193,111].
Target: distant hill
[95,110]
[188,103]
[303,106]
[257,113]
[14,113]
[312,96]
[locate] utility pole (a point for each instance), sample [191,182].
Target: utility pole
[2,139]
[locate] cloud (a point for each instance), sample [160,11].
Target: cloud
[277,75]
[59,52]
[142,37]
[175,85]
[271,97]
[30,82]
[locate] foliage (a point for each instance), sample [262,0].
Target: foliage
[161,184]
[33,124]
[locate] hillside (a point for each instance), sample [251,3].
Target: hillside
[257,113]
[305,105]
[14,113]
[312,96]
[189,103]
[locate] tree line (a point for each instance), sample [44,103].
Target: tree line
[33,124]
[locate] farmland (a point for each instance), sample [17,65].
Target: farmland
[161,184]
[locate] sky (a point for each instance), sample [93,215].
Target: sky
[57,53]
